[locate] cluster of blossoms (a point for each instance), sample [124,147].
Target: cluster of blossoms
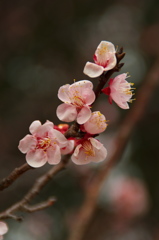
[48,142]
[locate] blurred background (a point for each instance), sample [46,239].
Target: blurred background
[45,44]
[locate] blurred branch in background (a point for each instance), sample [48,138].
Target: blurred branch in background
[87,210]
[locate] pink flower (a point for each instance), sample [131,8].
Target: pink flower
[128,197]
[89,150]
[77,99]
[96,123]
[104,58]
[43,145]
[120,91]
[3,229]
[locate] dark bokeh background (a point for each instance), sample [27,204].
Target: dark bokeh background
[45,44]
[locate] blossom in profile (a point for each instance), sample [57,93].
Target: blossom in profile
[3,229]
[96,123]
[89,150]
[104,58]
[43,145]
[120,91]
[77,99]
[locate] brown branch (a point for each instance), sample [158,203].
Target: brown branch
[37,187]
[126,129]
[17,172]
[39,206]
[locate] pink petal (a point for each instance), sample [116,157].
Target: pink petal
[43,130]
[34,126]
[105,54]
[84,115]
[88,95]
[36,158]
[3,228]
[111,62]
[81,158]
[54,155]
[66,112]
[83,90]
[60,138]
[27,143]
[78,88]
[63,93]
[93,70]
[77,149]
[96,123]
[96,144]
[69,148]
[100,154]
[119,100]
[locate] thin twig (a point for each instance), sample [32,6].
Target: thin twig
[88,207]
[17,172]
[37,187]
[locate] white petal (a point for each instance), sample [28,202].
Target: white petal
[108,45]
[66,112]
[27,143]
[63,93]
[93,70]
[83,115]
[34,126]
[111,62]
[36,158]
[59,137]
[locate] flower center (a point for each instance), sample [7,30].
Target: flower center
[44,143]
[102,50]
[77,101]
[99,121]
[87,146]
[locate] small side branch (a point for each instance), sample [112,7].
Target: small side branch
[23,205]
[16,173]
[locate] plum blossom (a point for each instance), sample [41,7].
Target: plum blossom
[104,58]
[96,123]
[120,91]
[128,196]
[89,150]
[3,229]
[43,145]
[77,99]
